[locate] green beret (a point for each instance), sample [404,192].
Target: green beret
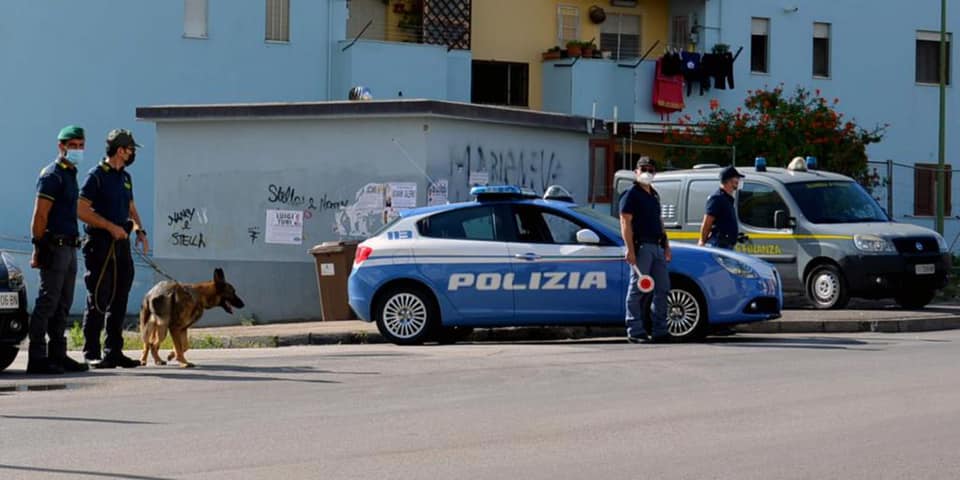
[70,132]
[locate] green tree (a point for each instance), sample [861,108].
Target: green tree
[778,127]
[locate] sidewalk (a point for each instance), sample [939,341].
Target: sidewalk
[887,320]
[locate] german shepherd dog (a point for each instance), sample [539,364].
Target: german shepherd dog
[176,307]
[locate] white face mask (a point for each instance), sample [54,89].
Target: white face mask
[74,156]
[646,178]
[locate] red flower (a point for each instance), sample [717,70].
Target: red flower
[836,101]
[817,91]
[729,140]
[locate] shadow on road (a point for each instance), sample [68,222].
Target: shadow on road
[80,472]
[196,374]
[78,419]
[277,370]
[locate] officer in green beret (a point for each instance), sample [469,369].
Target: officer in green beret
[55,241]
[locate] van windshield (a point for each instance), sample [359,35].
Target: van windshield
[836,202]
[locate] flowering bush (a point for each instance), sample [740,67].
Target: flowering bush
[777,127]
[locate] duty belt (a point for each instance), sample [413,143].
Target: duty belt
[65,241]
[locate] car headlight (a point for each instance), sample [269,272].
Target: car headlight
[873,244]
[14,279]
[944,248]
[735,266]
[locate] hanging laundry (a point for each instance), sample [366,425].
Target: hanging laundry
[723,74]
[692,72]
[672,64]
[708,65]
[667,91]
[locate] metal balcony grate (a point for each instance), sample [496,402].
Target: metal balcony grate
[447,22]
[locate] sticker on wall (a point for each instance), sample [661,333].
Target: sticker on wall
[402,195]
[437,194]
[371,197]
[285,227]
[479,178]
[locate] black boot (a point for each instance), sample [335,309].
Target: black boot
[70,365]
[117,360]
[43,366]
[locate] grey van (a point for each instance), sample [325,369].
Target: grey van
[829,239]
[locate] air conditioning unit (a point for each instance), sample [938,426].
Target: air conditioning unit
[623,3]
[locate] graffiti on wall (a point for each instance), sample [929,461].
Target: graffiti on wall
[182,223]
[288,196]
[536,169]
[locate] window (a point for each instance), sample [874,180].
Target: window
[620,34]
[821,50]
[928,57]
[500,83]
[925,189]
[278,21]
[760,45]
[535,225]
[195,18]
[836,202]
[669,198]
[757,203]
[464,224]
[697,194]
[601,172]
[680,37]
[568,24]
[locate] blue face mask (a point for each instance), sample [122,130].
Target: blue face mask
[74,156]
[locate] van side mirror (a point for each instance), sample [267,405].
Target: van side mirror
[588,237]
[782,220]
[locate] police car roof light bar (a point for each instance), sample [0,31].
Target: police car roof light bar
[500,192]
[761,164]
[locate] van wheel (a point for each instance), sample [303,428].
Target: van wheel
[686,311]
[407,315]
[826,288]
[7,355]
[917,298]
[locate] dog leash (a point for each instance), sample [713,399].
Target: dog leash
[111,258]
[153,265]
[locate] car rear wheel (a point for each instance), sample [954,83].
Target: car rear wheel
[686,311]
[917,298]
[7,355]
[826,288]
[407,315]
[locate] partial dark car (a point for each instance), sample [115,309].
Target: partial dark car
[14,321]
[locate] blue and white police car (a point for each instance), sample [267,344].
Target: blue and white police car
[510,258]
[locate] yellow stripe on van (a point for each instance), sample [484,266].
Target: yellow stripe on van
[763,236]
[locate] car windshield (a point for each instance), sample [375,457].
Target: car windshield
[611,223]
[836,202]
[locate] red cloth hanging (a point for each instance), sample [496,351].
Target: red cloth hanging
[667,92]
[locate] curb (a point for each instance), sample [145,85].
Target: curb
[538,334]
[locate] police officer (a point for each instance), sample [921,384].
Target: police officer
[107,207]
[720,228]
[55,240]
[649,250]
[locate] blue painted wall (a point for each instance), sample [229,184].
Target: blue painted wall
[872,72]
[93,62]
[394,70]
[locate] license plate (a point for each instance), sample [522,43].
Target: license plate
[9,301]
[926,269]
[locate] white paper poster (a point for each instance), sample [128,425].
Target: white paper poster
[402,195]
[437,193]
[285,227]
[371,198]
[479,178]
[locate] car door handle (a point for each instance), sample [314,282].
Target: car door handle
[527,256]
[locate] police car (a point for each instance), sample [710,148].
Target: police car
[14,324]
[510,258]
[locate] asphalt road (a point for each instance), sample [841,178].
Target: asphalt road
[870,406]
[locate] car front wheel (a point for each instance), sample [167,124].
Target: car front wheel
[686,311]
[407,315]
[7,355]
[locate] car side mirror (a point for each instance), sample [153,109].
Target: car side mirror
[782,220]
[588,237]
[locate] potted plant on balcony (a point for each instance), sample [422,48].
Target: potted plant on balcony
[587,49]
[574,49]
[552,54]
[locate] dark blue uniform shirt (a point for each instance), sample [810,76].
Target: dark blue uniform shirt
[58,183]
[645,208]
[110,192]
[721,207]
